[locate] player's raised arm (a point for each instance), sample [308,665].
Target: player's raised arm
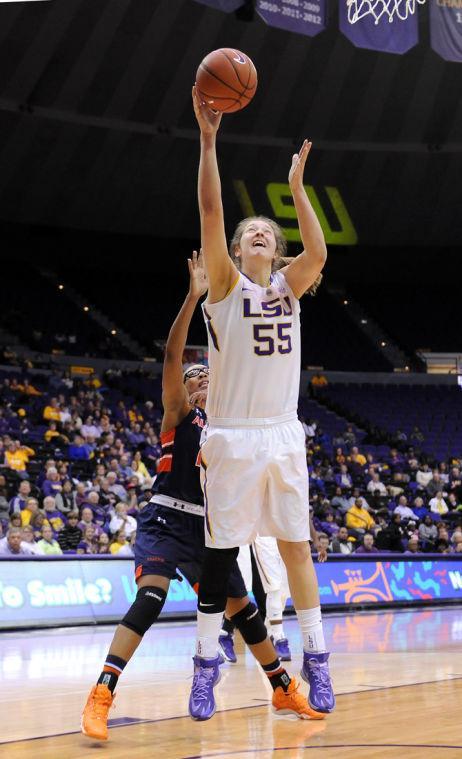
[306,267]
[221,271]
[175,398]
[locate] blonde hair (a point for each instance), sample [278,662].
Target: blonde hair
[281,242]
[280,261]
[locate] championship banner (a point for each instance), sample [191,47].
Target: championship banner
[228,6]
[446,29]
[398,37]
[306,17]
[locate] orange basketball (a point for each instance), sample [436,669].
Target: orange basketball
[226,80]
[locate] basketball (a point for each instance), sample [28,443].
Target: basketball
[226,80]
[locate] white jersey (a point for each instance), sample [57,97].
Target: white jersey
[254,352]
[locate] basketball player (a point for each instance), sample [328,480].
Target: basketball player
[253,458]
[170,533]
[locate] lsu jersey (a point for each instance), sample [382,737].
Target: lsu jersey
[254,352]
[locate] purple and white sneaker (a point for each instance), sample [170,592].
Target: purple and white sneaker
[315,672]
[206,676]
[282,649]
[226,643]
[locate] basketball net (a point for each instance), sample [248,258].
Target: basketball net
[391,9]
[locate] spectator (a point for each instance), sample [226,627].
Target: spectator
[115,486]
[51,411]
[79,450]
[14,545]
[125,468]
[17,457]
[435,485]
[341,543]
[403,509]
[32,508]
[428,533]
[90,430]
[51,513]
[343,479]
[121,522]
[88,544]
[356,496]
[375,484]
[356,457]
[390,537]
[52,484]
[457,543]
[340,501]
[367,545]
[87,520]
[66,500]
[103,543]
[37,522]
[413,545]
[127,549]
[419,509]
[71,535]
[358,518]
[28,537]
[100,513]
[438,505]
[4,505]
[48,546]
[119,542]
[18,503]
[423,476]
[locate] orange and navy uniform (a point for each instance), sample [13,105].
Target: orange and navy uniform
[178,473]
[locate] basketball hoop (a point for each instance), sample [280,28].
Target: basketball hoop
[391,9]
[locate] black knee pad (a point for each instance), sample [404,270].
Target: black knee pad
[213,585]
[145,609]
[250,624]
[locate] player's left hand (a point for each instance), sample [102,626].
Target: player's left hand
[298,166]
[198,399]
[198,280]
[321,552]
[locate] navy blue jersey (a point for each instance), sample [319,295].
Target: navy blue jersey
[178,472]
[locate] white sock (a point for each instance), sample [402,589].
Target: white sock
[276,631]
[208,631]
[310,622]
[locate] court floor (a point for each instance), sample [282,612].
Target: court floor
[397,676]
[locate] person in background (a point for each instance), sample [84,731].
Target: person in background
[18,502]
[367,545]
[14,545]
[104,543]
[32,508]
[66,500]
[121,521]
[48,546]
[71,535]
[119,542]
[341,543]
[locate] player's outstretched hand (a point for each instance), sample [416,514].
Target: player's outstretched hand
[298,166]
[198,281]
[208,120]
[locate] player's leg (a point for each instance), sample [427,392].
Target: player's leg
[226,639]
[156,538]
[288,508]
[244,614]
[274,580]
[303,584]
[150,598]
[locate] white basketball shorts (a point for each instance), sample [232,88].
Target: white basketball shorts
[255,482]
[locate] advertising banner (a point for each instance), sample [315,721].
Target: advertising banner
[384,37]
[300,16]
[66,591]
[446,28]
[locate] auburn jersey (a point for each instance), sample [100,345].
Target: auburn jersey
[178,474]
[254,351]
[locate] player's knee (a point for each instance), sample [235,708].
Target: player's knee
[145,609]
[213,586]
[250,624]
[294,553]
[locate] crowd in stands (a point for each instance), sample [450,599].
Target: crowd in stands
[78,458]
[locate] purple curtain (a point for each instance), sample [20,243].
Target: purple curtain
[446,29]
[300,16]
[396,37]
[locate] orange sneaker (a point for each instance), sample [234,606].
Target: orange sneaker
[94,716]
[292,703]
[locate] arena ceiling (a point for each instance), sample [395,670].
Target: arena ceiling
[97,130]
